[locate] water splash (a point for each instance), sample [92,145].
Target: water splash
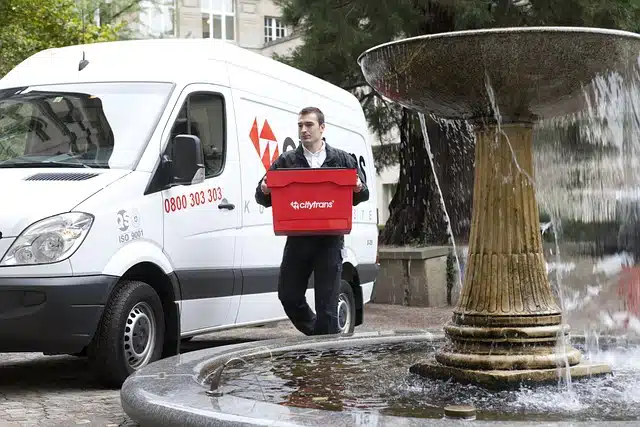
[591,179]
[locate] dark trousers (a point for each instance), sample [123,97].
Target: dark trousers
[303,255]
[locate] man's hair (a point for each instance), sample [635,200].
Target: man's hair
[315,110]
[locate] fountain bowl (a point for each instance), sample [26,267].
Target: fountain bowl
[177,391]
[536,72]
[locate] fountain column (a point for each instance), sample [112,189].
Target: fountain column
[507,324]
[507,305]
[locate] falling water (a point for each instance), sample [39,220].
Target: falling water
[609,127]
[595,189]
[596,181]
[606,192]
[447,218]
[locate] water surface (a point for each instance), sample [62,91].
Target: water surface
[376,379]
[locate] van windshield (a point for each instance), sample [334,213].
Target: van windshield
[95,125]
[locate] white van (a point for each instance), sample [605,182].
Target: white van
[114,243]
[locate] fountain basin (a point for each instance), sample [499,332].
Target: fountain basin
[536,72]
[299,382]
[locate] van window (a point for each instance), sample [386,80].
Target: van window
[95,125]
[203,115]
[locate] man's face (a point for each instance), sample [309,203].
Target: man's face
[309,130]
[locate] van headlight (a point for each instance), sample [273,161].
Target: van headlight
[50,240]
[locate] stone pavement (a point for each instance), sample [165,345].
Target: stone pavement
[58,391]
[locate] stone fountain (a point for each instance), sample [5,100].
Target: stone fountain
[507,323]
[507,327]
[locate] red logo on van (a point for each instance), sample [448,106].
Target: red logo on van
[271,151]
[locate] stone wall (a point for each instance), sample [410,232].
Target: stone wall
[414,276]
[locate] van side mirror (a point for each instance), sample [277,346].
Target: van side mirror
[187,160]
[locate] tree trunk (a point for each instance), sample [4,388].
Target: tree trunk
[416,214]
[454,152]
[416,198]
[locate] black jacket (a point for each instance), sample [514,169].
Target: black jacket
[295,159]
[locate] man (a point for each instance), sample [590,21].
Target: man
[303,255]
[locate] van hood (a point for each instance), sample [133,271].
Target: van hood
[29,195]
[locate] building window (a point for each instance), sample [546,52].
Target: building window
[274,29]
[157,18]
[218,19]
[203,115]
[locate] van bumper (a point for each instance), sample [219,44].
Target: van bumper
[53,315]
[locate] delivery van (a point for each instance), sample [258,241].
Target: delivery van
[129,221]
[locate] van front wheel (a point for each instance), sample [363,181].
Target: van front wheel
[130,334]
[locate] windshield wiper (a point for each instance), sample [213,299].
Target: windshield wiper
[43,164]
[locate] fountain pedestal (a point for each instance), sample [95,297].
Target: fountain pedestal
[507,327]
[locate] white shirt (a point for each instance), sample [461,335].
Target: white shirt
[315,160]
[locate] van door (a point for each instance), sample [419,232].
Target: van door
[200,220]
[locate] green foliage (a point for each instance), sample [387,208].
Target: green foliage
[29,26]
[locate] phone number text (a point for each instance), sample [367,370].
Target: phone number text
[190,200]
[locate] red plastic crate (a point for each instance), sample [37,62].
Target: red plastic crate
[312,201]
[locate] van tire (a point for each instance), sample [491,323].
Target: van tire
[346,308]
[107,350]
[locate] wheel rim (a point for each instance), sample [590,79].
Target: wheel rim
[344,314]
[139,335]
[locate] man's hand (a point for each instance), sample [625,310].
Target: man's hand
[358,186]
[263,186]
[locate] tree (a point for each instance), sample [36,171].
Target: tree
[29,26]
[336,32]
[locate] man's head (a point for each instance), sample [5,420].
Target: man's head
[310,125]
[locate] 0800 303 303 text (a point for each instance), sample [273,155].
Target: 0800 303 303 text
[193,199]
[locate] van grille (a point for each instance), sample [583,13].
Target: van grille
[61,176]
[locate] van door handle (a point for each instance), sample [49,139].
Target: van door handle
[229,206]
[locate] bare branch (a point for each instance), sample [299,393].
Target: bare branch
[125,9]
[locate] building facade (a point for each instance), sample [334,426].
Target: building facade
[252,24]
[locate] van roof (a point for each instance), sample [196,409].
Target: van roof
[170,60]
